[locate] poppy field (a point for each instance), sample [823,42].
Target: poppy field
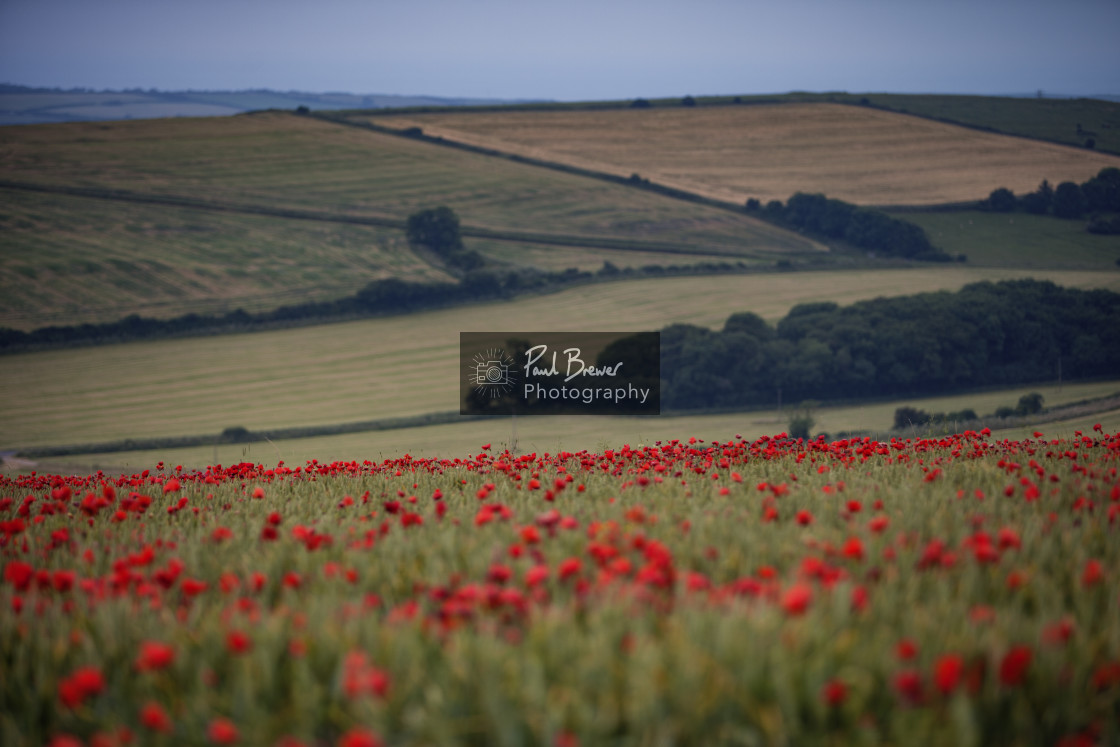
[959,590]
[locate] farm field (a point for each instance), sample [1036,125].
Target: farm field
[858,154]
[278,161]
[924,592]
[387,367]
[72,259]
[1072,121]
[553,435]
[1018,240]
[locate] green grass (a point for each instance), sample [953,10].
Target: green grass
[388,367]
[1019,240]
[1045,119]
[71,259]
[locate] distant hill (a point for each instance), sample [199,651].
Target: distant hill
[26,105]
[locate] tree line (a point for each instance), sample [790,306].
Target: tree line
[1098,198]
[864,228]
[378,298]
[985,335]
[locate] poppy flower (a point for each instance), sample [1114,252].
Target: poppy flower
[154,656]
[155,718]
[796,599]
[834,693]
[238,642]
[568,568]
[906,649]
[1013,668]
[80,685]
[947,672]
[908,685]
[222,731]
[359,737]
[1093,573]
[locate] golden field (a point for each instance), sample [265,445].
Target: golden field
[858,154]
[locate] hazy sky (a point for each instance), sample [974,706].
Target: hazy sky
[570,50]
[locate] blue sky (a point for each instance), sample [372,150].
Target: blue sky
[572,50]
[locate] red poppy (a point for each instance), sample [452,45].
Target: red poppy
[797,598]
[908,684]
[359,737]
[1093,573]
[153,717]
[154,656]
[834,693]
[568,567]
[238,642]
[947,672]
[222,731]
[80,685]
[1013,668]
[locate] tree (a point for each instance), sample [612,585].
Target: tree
[688,101]
[906,417]
[1029,404]
[1038,202]
[436,229]
[1069,202]
[801,422]
[1001,200]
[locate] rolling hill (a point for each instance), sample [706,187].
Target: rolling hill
[164,217]
[860,154]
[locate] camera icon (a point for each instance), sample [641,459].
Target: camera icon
[492,372]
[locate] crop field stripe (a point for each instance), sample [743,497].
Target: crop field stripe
[636,245]
[860,154]
[387,367]
[1059,412]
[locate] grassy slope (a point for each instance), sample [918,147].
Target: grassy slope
[72,258]
[1019,240]
[1046,119]
[282,161]
[381,368]
[860,154]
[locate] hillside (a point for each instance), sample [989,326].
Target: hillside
[860,154]
[390,367]
[97,246]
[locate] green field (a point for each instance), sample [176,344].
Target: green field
[280,161]
[1056,120]
[71,259]
[1018,240]
[379,368]
[574,433]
